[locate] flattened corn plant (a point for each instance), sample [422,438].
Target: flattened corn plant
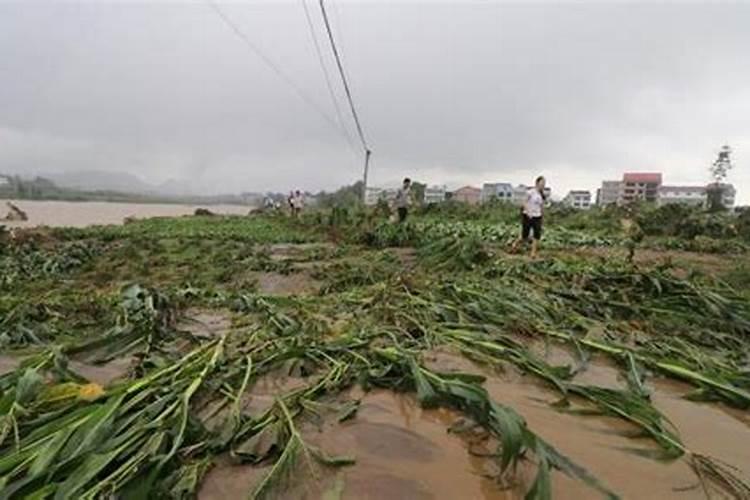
[155,434]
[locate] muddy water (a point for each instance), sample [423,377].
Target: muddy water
[403,451]
[602,444]
[79,214]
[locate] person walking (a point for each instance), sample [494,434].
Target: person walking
[531,216]
[403,200]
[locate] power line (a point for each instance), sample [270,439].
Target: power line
[367,150]
[343,79]
[326,75]
[273,66]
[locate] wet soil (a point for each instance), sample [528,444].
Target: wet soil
[228,481]
[604,445]
[407,256]
[706,262]
[104,374]
[8,364]
[401,451]
[205,323]
[299,251]
[404,451]
[286,284]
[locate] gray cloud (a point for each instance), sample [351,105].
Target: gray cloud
[448,92]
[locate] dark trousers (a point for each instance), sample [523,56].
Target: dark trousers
[529,224]
[402,213]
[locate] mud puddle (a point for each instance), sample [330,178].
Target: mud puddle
[302,251]
[401,452]
[605,446]
[286,284]
[8,364]
[205,323]
[228,481]
[104,374]
[406,255]
[404,451]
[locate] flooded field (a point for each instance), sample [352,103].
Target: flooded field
[302,368]
[404,451]
[80,214]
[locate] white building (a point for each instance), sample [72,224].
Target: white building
[434,194]
[501,191]
[609,193]
[578,199]
[684,195]
[374,194]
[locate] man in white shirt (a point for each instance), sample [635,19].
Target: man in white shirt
[403,200]
[298,203]
[531,216]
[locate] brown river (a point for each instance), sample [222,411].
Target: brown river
[79,214]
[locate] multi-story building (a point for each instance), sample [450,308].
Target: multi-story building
[609,193]
[640,186]
[434,194]
[684,195]
[468,194]
[501,191]
[578,199]
[520,192]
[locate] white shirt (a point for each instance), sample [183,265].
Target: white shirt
[402,197]
[534,203]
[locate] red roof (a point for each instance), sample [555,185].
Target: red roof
[646,178]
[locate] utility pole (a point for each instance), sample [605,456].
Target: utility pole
[364,181]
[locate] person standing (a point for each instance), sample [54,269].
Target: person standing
[403,200]
[531,216]
[298,203]
[290,202]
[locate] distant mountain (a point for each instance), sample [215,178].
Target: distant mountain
[98,180]
[174,187]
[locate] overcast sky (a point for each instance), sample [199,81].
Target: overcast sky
[450,92]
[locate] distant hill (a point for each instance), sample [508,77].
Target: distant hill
[174,187]
[98,180]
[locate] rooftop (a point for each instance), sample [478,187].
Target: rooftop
[684,189]
[506,185]
[644,177]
